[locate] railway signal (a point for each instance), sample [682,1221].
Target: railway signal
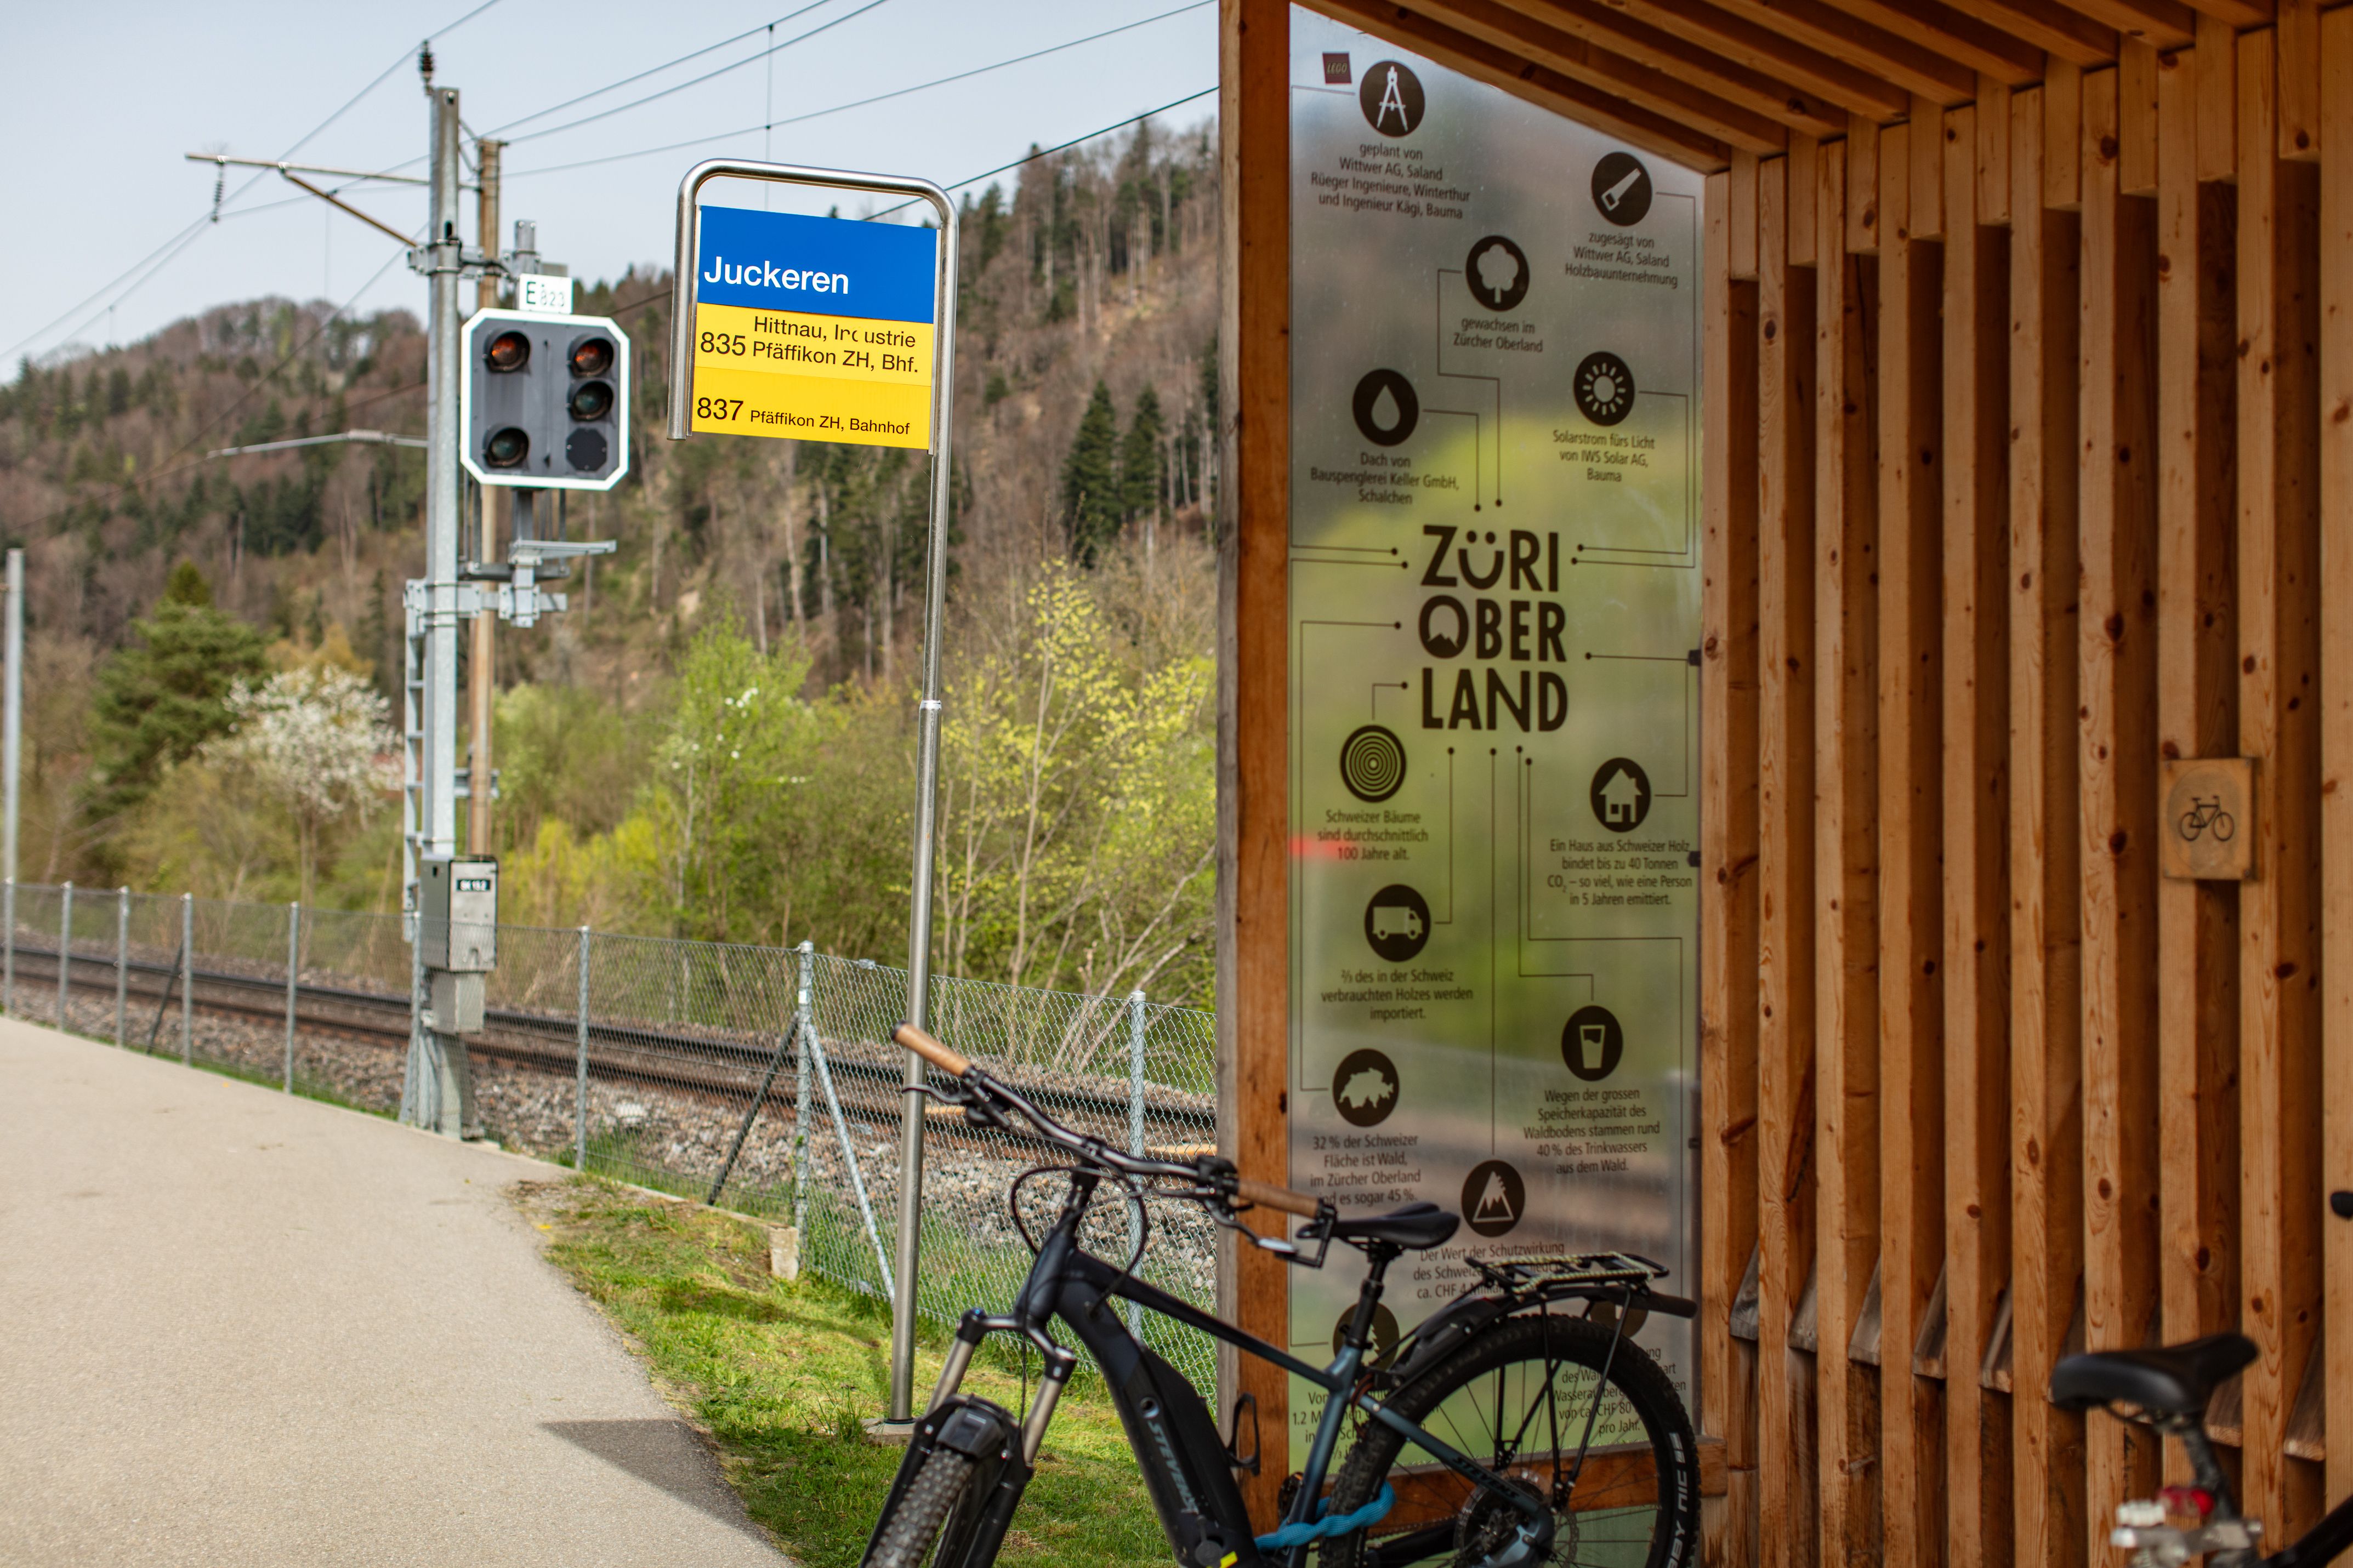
[545,400]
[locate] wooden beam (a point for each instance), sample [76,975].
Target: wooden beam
[2337,723]
[1992,154]
[1741,240]
[1605,112]
[2137,119]
[1975,705]
[2062,127]
[1863,135]
[2217,63]
[1253,784]
[1663,90]
[2168,23]
[1728,884]
[2197,710]
[1911,1079]
[1805,191]
[1891,57]
[2237,13]
[1978,41]
[1846,867]
[1764,49]
[1927,184]
[2296,36]
[2118,707]
[2045,934]
[1611,27]
[2069,36]
[1786,868]
[2279,1058]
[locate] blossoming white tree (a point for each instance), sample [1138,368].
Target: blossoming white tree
[317,742]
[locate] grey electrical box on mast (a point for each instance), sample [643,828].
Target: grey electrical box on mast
[458,913]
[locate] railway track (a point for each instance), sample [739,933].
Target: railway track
[705,1066]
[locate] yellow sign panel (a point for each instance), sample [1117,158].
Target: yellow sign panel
[812,377]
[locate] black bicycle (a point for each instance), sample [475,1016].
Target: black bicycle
[2168,1389]
[1503,1432]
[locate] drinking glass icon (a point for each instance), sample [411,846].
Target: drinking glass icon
[1592,1046]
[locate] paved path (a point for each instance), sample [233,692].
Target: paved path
[240,1328]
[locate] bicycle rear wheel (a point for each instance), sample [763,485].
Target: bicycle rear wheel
[1517,1399]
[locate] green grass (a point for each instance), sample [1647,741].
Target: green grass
[782,1375]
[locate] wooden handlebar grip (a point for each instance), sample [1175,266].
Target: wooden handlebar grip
[944,1057]
[1265,1196]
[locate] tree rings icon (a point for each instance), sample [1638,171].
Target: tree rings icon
[1604,388]
[1621,189]
[1498,273]
[1592,1043]
[1390,95]
[1494,1197]
[1372,763]
[1397,923]
[1365,1088]
[1385,406]
[1383,1350]
[1620,795]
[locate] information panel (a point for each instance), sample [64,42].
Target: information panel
[1494,628]
[813,328]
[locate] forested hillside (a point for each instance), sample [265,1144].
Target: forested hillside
[716,741]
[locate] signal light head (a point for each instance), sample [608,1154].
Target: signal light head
[592,355]
[591,400]
[507,448]
[508,352]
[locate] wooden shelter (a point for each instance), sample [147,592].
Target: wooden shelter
[2029,470]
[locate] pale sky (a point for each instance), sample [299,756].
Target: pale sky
[100,102]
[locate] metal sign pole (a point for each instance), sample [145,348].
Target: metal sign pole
[900,1415]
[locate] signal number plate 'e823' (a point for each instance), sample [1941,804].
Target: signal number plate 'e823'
[814,329]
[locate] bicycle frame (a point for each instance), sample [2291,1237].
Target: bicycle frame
[1186,1464]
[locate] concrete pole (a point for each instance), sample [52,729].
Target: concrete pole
[293,968]
[65,951]
[482,657]
[121,957]
[187,977]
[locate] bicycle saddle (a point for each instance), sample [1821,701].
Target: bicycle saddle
[2176,1380]
[1416,1227]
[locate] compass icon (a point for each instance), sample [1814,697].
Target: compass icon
[1604,388]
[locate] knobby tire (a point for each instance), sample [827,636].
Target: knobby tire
[905,1539]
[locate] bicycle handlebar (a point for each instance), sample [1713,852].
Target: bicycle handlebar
[1265,1194]
[947,1059]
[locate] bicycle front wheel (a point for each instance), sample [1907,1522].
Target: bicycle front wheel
[1518,1399]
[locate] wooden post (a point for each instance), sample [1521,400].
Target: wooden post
[1728,883]
[1911,1081]
[1785,867]
[2118,823]
[2045,945]
[1846,979]
[1253,937]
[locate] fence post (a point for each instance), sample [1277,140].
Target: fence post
[293,966]
[580,1050]
[122,956]
[8,985]
[1134,1132]
[805,1010]
[187,977]
[65,951]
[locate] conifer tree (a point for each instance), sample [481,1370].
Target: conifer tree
[1090,499]
[1142,466]
[168,692]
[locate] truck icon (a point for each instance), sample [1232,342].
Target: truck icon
[1397,919]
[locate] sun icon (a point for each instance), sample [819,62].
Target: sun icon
[1604,388]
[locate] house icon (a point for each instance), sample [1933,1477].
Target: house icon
[1622,799]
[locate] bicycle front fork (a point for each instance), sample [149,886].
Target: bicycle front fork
[976,1326]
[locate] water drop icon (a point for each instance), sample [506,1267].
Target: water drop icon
[1385,407]
[1385,413]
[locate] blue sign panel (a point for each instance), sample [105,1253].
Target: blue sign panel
[822,265]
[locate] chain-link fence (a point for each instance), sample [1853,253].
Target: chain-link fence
[758,1078]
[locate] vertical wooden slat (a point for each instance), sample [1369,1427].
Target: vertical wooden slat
[1785,867]
[1728,888]
[1804,190]
[2118,822]
[1911,1079]
[1926,195]
[2046,1116]
[1253,803]
[2196,682]
[1846,1004]
[2062,124]
[2279,1059]
[1743,200]
[1863,134]
[1993,184]
[2296,25]
[2137,117]
[2216,60]
[1974,702]
[2336,720]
